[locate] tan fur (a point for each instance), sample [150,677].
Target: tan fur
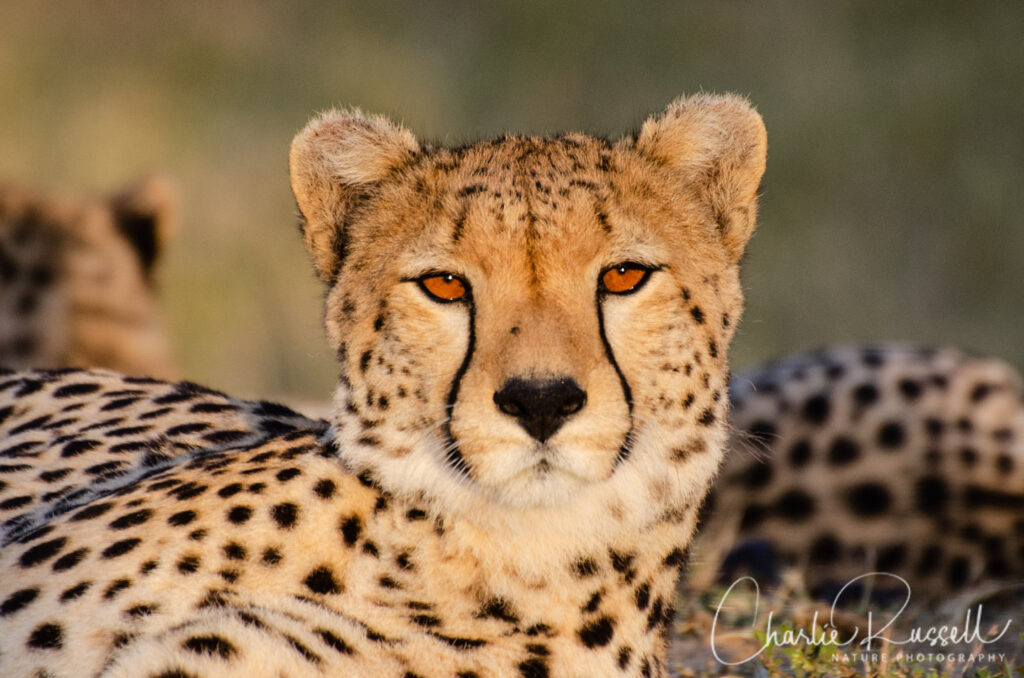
[929,485]
[76,279]
[451,541]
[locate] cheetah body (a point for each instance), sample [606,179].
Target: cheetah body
[444,524]
[886,458]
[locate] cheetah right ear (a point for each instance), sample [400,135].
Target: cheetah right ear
[335,162]
[145,213]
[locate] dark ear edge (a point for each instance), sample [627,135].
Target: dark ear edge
[719,145]
[144,213]
[335,163]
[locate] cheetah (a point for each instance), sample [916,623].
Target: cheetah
[77,279]
[532,336]
[878,458]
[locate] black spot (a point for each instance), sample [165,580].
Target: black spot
[931,494]
[753,516]
[707,418]
[186,429]
[676,558]
[141,610]
[825,550]
[843,451]
[234,551]
[930,562]
[869,499]
[794,505]
[425,620]
[959,569]
[181,518]
[1004,464]
[910,389]
[42,552]
[210,645]
[188,564]
[48,636]
[621,562]
[968,456]
[77,447]
[584,567]
[642,596]
[757,475]
[698,315]
[75,390]
[229,490]
[866,394]
[15,502]
[322,581]
[762,433]
[325,488]
[351,528]
[816,409]
[891,558]
[284,475]
[980,392]
[891,435]
[597,633]
[116,587]
[119,548]
[625,653]
[17,601]
[75,591]
[239,514]
[388,583]
[285,515]
[69,560]
[498,608]
[534,667]
[131,519]
[594,602]
[334,642]
[187,491]
[800,454]
[271,556]
[416,514]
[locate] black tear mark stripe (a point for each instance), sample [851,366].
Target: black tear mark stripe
[627,392]
[452,455]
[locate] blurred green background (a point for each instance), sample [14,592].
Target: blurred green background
[890,207]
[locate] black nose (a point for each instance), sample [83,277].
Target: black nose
[540,406]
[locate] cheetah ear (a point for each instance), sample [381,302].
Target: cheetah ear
[718,142]
[145,214]
[335,162]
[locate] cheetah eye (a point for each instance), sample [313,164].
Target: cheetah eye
[624,278]
[444,287]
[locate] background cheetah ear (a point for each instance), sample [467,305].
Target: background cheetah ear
[719,144]
[335,162]
[145,213]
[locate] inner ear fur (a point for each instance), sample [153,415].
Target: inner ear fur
[336,161]
[719,145]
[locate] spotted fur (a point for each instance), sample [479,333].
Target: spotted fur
[510,481]
[77,279]
[884,458]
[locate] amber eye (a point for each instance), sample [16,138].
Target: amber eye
[624,278]
[444,286]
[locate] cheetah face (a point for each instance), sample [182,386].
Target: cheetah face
[526,316]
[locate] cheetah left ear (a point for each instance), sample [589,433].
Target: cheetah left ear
[336,161]
[145,214]
[718,142]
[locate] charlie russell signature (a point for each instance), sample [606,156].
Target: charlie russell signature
[827,634]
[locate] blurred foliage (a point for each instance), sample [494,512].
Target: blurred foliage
[889,207]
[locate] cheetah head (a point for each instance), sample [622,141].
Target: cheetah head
[527,319]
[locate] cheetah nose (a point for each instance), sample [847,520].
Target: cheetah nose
[540,406]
